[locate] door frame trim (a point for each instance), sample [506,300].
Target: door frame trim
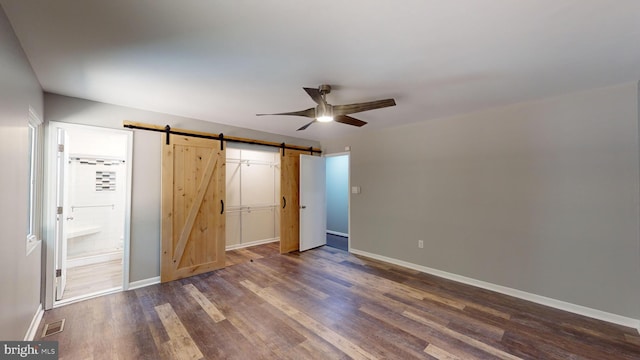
[48,256]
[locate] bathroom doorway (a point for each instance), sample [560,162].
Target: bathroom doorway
[91,170]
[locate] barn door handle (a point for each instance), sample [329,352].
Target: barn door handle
[221,206]
[284,202]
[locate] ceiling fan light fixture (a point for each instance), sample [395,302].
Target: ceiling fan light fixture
[324,112]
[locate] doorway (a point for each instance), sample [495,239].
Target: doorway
[89,178]
[337,184]
[252,196]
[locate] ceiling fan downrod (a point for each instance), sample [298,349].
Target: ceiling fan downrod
[324,89]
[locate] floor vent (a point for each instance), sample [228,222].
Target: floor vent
[53,328]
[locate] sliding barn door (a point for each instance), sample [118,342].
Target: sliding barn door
[193,220]
[290,206]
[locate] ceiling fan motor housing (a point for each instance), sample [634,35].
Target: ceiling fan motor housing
[324,89]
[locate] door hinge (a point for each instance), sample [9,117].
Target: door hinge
[58,272]
[59,210]
[60,147]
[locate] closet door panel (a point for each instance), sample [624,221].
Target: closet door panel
[193,219]
[289,196]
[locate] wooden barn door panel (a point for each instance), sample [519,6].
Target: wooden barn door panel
[290,207]
[193,220]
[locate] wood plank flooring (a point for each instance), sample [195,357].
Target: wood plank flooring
[327,304]
[244,255]
[87,279]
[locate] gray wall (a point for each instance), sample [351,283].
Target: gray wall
[338,193]
[540,196]
[19,273]
[145,212]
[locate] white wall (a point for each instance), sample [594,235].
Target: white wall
[19,273]
[87,141]
[103,211]
[540,196]
[145,202]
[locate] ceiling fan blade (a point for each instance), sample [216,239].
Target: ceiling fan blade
[310,112]
[315,95]
[306,126]
[349,120]
[359,107]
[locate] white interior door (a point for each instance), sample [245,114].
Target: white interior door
[313,202]
[62,215]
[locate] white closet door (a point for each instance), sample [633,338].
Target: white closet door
[313,202]
[62,203]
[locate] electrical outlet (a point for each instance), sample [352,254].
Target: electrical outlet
[421,244]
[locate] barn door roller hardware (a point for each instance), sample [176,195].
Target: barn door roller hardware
[167,130]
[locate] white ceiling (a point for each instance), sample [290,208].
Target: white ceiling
[225,61]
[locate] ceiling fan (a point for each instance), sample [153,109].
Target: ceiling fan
[325,112]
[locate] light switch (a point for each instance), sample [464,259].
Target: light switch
[355,189]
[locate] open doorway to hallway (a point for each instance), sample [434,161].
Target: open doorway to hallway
[337,183]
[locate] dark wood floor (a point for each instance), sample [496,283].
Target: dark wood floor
[327,304]
[244,255]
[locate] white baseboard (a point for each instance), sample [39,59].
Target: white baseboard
[94,259]
[145,282]
[253,243]
[35,323]
[337,233]
[543,300]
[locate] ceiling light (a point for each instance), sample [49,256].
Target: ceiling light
[324,112]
